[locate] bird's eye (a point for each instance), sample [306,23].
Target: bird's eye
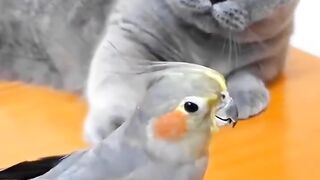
[195,105]
[191,107]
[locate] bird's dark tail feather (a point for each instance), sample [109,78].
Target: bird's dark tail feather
[30,169]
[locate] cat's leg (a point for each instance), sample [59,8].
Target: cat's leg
[247,85]
[112,91]
[111,104]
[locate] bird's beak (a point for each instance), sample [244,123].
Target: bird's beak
[227,112]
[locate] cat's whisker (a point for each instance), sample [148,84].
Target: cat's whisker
[230,50]
[146,66]
[234,50]
[116,49]
[223,48]
[237,51]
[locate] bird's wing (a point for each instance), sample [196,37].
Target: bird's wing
[30,169]
[113,157]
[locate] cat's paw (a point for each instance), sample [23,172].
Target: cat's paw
[230,15]
[250,95]
[98,126]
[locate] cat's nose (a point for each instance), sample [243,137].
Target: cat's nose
[216,1]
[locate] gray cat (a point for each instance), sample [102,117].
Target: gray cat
[247,40]
[52,42]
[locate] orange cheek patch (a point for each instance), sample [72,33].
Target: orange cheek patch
[171,126]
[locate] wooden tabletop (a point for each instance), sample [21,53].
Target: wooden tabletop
[281,143]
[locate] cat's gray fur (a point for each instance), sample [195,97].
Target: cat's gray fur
[51,42]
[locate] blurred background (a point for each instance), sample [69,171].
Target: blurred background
[306,36]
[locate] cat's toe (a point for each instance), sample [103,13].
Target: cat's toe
[250,102]
[230,15]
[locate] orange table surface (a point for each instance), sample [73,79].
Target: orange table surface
[281,143]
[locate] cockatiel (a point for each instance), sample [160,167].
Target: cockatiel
[167,137]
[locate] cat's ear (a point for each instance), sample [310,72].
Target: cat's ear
[195,5]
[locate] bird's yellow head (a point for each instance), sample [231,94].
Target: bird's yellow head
[180,110]
[184,133]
